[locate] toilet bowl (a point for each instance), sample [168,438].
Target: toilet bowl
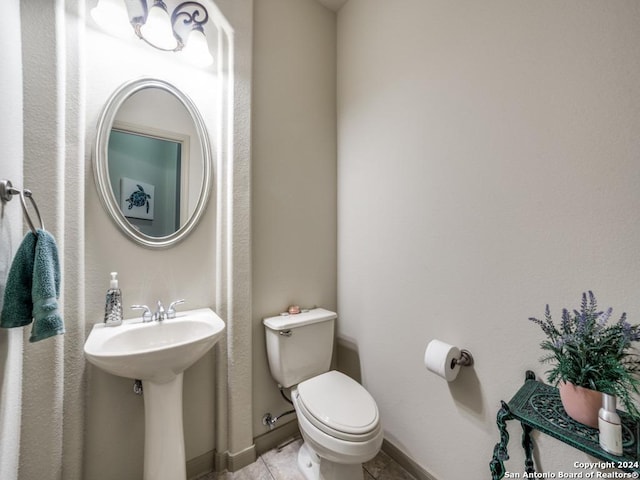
[338,417]
[339,422]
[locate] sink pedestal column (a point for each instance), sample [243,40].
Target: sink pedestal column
[164,457]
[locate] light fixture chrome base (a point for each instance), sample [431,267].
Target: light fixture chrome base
[187,16]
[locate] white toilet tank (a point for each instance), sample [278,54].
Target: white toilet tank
[299,346]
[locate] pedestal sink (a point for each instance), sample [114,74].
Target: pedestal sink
[157,353]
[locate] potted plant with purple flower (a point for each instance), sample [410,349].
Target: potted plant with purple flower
[591,356]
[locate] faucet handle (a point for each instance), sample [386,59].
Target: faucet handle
[171,311]
[147,316]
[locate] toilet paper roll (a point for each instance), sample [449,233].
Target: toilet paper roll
[439,358]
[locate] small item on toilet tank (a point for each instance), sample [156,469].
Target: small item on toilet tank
[293,309]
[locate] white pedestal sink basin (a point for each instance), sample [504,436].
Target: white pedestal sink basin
[157,353]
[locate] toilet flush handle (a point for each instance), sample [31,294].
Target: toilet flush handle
[285,333]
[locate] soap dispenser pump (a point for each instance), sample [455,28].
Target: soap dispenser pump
[113,303]
[610,426]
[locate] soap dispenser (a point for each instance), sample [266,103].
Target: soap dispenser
[610,426]
[113,303]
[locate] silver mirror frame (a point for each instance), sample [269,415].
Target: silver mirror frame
[101,167]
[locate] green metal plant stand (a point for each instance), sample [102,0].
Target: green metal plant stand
[537,406]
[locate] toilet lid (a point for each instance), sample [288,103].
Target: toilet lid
[339,404]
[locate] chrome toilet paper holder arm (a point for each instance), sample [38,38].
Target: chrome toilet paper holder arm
[465,359]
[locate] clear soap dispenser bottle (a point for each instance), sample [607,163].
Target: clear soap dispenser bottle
[113,303]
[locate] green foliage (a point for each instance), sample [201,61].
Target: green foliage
[589,352]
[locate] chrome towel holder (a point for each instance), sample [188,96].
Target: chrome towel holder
[7,191]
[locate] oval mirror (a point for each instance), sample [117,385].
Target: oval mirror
[152,162]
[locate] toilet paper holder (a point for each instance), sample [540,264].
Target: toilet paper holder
[465,359]
[445,360]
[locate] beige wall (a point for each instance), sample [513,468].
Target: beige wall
[487,165]
[11,234]
[293,172]
[52,421]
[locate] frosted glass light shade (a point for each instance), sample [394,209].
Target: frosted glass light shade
[157,29]
[112,16]
[196,49]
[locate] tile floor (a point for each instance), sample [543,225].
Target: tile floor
[280,464]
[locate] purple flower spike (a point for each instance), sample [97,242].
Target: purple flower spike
[603,317]
[591,352]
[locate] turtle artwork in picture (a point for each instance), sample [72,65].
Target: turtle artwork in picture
[139,198]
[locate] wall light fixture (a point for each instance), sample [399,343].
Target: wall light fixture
[182,31]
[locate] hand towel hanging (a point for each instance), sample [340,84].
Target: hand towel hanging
[33,288]
[17,309]
[45,290]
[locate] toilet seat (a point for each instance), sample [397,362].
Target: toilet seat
[339,406]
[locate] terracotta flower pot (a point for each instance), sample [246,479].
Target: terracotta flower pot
[580,403]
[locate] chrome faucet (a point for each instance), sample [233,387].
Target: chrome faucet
[161,314]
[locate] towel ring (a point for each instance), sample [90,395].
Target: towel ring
[29,195]
[6,194]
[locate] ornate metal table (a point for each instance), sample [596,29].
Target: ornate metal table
[537,406]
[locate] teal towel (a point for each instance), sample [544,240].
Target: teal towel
[45,289]
[33,288]
[18,307]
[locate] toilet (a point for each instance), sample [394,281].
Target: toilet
[338,418]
